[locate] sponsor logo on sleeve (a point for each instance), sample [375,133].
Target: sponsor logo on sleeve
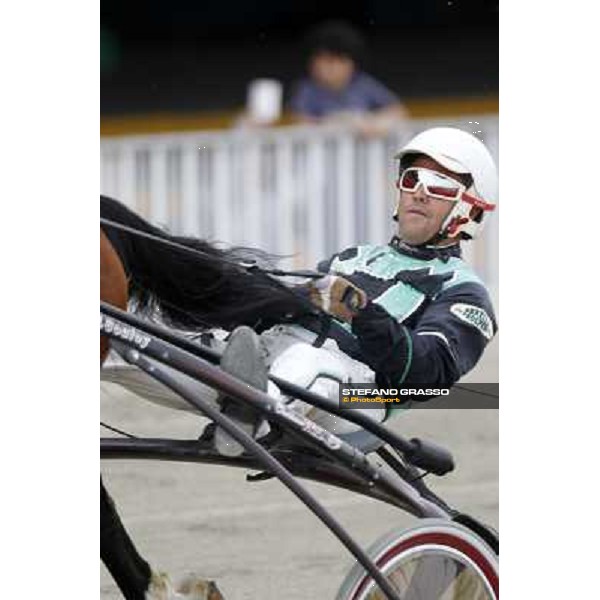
[475,316]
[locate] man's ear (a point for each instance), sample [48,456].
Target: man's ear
[476,214]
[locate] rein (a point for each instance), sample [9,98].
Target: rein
[250,266]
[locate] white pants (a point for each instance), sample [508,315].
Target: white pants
[289,356]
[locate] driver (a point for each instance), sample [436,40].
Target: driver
[408,312]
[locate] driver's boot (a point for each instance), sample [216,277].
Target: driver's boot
[242,358]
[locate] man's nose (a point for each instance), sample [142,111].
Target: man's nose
[419,194]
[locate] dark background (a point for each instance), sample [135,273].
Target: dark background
[184,55]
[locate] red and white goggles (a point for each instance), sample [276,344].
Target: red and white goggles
[437,185]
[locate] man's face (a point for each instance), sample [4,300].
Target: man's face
[420,217]
[332,71]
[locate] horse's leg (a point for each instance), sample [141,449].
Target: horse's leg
[129,570]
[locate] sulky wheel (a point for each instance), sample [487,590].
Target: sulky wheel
[435,560]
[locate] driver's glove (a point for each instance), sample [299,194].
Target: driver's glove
[337,296]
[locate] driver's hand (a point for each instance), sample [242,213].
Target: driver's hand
[337,296]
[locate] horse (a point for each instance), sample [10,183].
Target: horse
[200,288]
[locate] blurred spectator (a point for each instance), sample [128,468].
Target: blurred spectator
[337,89]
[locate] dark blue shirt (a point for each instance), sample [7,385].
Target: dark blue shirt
[362,94]
[428,319]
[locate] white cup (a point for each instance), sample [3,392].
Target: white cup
[264,100]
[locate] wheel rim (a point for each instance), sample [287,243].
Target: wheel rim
[437,560]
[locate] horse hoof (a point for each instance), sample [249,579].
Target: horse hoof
[191,588]
[196,588]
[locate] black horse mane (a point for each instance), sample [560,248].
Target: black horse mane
[197,290]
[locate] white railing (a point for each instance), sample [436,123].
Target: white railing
[302,192]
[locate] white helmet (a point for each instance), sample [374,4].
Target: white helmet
[461,153]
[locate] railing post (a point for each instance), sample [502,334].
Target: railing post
[315,199]
[286,233]
[190,196]
[108,170]
[222,193]
[377,210]
[345,201]
[127,175]
[159,204]
[250,218]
